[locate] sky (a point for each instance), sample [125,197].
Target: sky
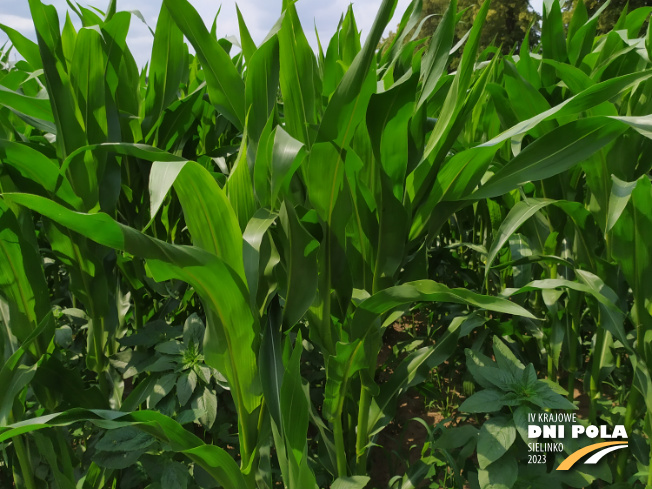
[259,15]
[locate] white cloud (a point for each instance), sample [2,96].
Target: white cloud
[24,25]
[259,15]
[537,5]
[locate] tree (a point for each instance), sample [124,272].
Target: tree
[610,15]
[507,21]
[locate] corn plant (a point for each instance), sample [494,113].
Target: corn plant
[295,203]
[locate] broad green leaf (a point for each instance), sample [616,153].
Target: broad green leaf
[502,474]
[425,290]
[294,406]
[342,366]
[286,158]
[186,384]
[225,87]
[231,325]
[217,462]
[301,267]
[206,404]
[239,188]
[247,43]
[353,482]
[496,437]
[631,238]
[552,154]
[388,120]
[166,67]
[35,166]
[436,58]
[595,287]
[68,118]
[36,107]
[22,282]
[26,47]
[299,79]
[620,195]
[485,401]
[14,376]
[253,237]
[520,213]
[87,79]
[392,231]
[261,87]
[346,107]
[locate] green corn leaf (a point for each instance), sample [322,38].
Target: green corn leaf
[621,192]
[36,167]
[166,67]
[253,237]
[392,231]
[87,80]
[552,154]
[520,213]
[301,262]
[14,377]
[342,366]
[35,107]
[217,462]
[434,62]
[595,287]
[347,105]
[225,87]
[299,78]
[261,87]
[632,252]
[263,164]
[424,290]
[231,325]
[294,406]
[552,33]
[27,48]
[271,364]
[68,118]
[22,283]
[122,77]
[239,188]
[247,43]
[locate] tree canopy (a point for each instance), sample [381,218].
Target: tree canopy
[609,17]
[507,21]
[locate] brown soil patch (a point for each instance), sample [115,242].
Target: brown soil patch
[404,437]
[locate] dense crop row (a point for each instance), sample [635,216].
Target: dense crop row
[199,261]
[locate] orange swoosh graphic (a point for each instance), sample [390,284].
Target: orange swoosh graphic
[575,456]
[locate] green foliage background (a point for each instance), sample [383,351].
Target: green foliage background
[232,268]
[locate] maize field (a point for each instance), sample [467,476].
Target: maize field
[235,267]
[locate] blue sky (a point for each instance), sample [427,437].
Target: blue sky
[259,15]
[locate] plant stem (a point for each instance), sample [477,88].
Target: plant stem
[632,403]
[338,435]
[635,397]
[573,339]
[601,340]
[24,462]
[362,434]
[648,429]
